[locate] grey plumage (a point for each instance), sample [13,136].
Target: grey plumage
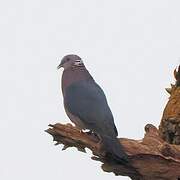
[86,100]
[86,105]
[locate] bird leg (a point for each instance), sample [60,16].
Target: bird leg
[91,133]
[79,128]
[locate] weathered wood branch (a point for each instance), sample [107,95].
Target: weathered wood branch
[169,128]
[155,157]
[152,158]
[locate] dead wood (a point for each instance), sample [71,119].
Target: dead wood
[155,157]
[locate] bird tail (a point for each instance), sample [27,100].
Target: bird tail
[114,149]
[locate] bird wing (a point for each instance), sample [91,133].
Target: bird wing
[86,100]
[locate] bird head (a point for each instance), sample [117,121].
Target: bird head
[69,61]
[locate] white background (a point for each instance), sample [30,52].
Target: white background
[130,47]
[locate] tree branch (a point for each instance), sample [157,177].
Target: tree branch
[155,157]
[151,158]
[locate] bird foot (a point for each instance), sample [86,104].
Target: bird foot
[89,132]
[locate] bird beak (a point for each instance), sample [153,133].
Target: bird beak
[60,66]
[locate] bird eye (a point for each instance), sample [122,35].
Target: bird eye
[68,59]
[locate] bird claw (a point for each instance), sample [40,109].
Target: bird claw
[86,131]
[89,132]
[81,131]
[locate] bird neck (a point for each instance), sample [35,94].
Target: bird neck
[74,74]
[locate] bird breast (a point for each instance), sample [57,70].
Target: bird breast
[71,76]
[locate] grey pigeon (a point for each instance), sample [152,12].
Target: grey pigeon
[86,105]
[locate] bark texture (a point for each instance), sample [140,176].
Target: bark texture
[150,158]
[155,157]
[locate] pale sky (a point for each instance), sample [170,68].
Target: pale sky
[130,47]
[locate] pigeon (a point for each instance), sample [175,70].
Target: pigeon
[86,106]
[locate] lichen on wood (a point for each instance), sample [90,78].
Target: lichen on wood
[169,128]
